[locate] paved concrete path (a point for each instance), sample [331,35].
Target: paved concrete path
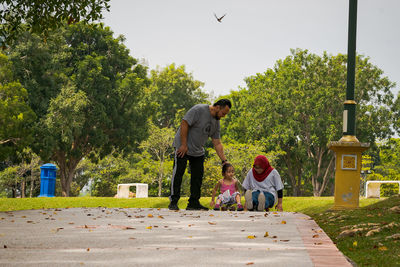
[159,237]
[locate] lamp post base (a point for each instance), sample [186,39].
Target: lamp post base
[347,172]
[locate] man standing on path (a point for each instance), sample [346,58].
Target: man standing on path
[199,123]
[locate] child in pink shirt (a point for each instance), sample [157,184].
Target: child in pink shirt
[228,186]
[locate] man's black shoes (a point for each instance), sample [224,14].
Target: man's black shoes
[196,207]
[173,206]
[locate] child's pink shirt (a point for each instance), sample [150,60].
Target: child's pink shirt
[231,187]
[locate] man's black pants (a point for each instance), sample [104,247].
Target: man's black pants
[196,165]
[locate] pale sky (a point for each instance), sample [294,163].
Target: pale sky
[253,35]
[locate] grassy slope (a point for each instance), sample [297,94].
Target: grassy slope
[374,250]
[366,250]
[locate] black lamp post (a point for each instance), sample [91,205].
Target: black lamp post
[349,114]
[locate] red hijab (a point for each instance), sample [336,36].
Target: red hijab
[263,162]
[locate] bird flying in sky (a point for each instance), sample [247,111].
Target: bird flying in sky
[220,18]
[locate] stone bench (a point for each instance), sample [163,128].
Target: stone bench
[373,188]
[141,190]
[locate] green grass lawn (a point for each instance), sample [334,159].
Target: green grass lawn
[364,247]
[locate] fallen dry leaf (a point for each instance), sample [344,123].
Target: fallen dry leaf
[88,249]
[161,217]
[284,240]
[395,209]
[250,263]
[266,234]
[315,236]
[283,222]
[383,248]
[212,223]
[150,215]
[149,227]
[251,236]
[395,236]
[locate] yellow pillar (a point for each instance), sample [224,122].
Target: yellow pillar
[347,172]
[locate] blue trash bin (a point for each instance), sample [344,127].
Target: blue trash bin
[48,173]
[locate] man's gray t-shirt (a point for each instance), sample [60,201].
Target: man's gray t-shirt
[201,126]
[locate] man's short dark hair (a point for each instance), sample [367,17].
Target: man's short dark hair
[223,103]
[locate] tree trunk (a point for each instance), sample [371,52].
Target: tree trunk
[292,176]
[160,184]
[66,180]
[23,186]
[319,188]
[326,176]
[298,185]
[160,178]
[32,184]
[67,172]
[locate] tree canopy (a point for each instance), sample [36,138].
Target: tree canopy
[15,113]
[88,94]
[172,92]
[42,16]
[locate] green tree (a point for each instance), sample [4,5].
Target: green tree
[97,101]
[15,113]
[296,108]
[21,178]
[29,172]
[159,145]
[105,175]
[396,114]
[388,169]
[41,16]
[173,89]
[9,181]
